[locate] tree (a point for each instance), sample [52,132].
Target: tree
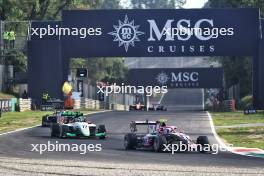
[112,4]
[46,9]
[110,70]
[157,4]
[235,67]
[13,10]
[237,4]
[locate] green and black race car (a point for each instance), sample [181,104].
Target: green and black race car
[74,124]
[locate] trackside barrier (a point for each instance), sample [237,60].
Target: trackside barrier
[95,104]
[77,104]
[6,105]
[87,103]
[120,107]
[229,105]
[24,104]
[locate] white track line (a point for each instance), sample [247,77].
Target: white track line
[203,97]
[220,142]
[218,139]
[161,98]
[22,129]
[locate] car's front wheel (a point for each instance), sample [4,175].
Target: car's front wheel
[101,129]
[63,131]
[52,133]
[159,143]
[43,122]
[130,141]
[204,144]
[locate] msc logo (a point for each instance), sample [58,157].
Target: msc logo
[126,33]
[162,78]
[185,77]
[180,77]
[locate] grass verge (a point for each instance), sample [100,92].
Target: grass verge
[252,137]
[234,118]
[15,120]
[6,96]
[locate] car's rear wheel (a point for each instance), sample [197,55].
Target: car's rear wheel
[130,141]
[101,129]
[204,144]
[159,142]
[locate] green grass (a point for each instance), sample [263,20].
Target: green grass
[14,120]
[5,96]
[252,137]
[233,118]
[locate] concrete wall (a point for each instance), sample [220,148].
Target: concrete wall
[2,72]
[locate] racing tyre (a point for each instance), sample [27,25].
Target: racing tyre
[44,118]
[158,143]
[52,131]
[101,129]
[204,143]
[130,141]
[63,131]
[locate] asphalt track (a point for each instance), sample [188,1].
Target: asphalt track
[192,121]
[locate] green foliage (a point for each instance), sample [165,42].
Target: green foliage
[234,68]
[238,69]
[112,4]
[157,4]
[246,101]
[237,3]
[18,59]
[102,69]
[47,9]
[14,11]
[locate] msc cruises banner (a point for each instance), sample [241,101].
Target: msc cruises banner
[164,32]
[177,77]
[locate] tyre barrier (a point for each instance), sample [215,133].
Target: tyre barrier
[24,104]
[229,105]
[96,104]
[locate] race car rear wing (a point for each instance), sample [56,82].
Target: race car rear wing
[144,122]
[134,124]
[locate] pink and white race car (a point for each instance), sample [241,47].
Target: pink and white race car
[157,136]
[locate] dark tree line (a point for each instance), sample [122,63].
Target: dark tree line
[238,70]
